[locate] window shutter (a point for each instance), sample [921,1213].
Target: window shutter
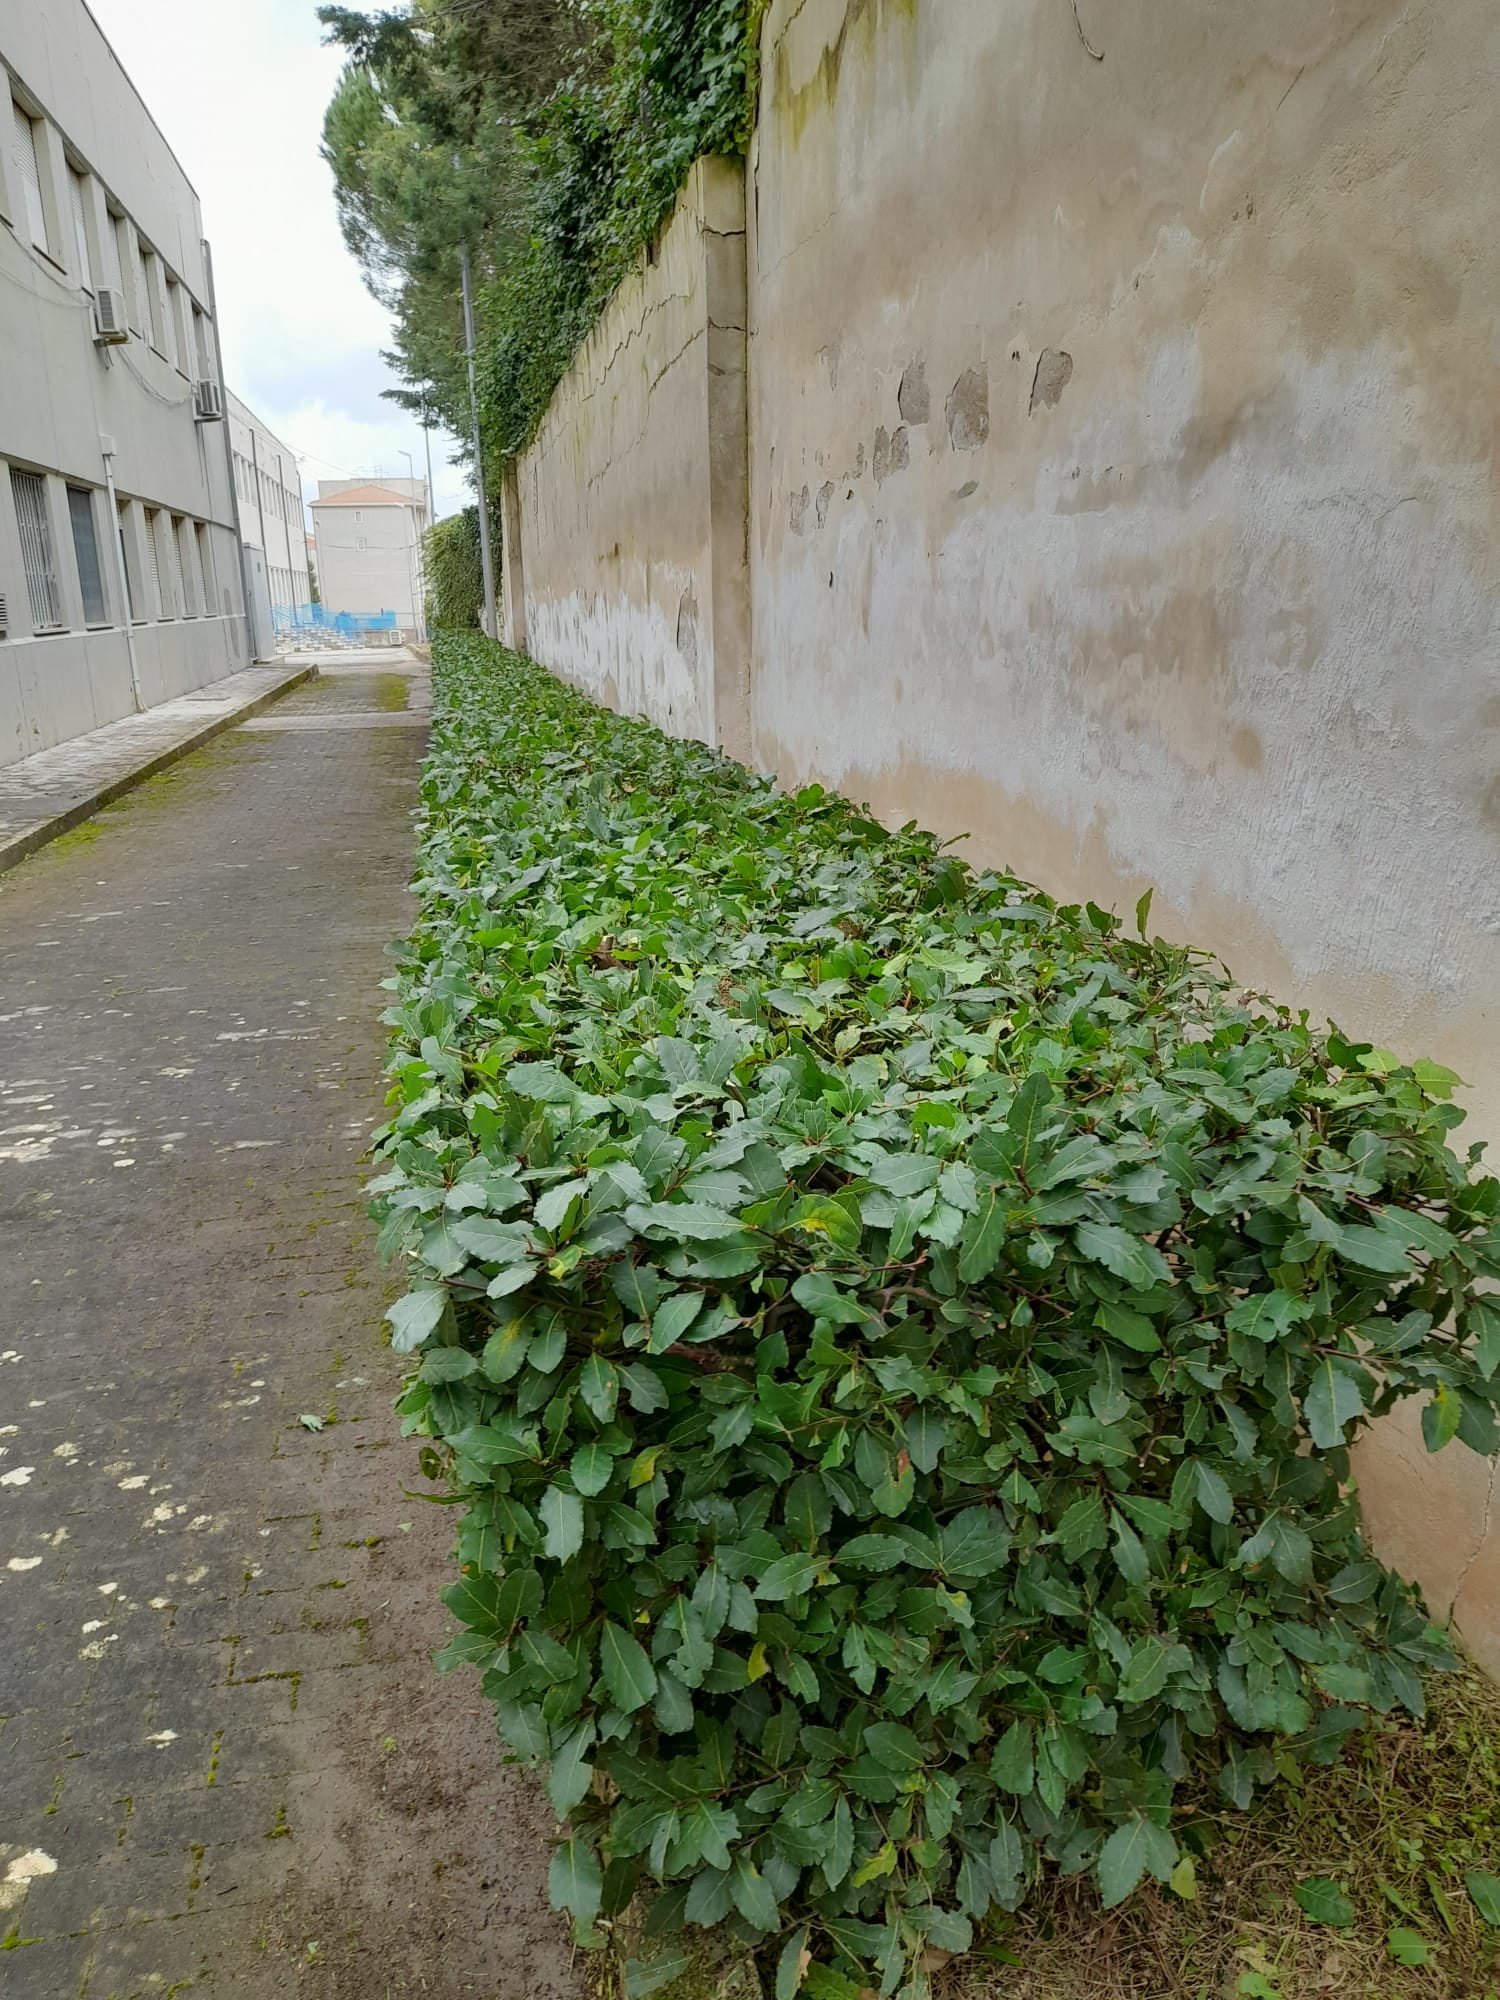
[80,229]
[154,559]
[31,176]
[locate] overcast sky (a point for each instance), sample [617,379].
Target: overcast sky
[240,87]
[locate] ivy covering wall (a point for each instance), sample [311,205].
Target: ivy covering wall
[550,140]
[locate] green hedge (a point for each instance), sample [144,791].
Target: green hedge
[896,1339]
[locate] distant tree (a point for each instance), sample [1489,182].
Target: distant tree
[421,135]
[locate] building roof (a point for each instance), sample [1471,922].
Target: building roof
[364,496]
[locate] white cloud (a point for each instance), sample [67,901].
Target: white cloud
[240,91]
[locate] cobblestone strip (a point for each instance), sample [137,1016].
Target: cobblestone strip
[226,1765]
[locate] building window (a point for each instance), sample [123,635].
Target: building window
[358,517]
[153,308]
[77,195]
[86,549]
[200,344]
[177,330]
[205,567]
[28,165]
[153,558]
[30,494]
[167,528]
[127,563]
[110,246]
[182,565]
[360,544]
[139,317]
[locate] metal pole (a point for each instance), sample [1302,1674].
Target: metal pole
[431,497]
[414,562]
[485,557]
[119,540]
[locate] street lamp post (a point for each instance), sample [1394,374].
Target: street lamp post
[419,605]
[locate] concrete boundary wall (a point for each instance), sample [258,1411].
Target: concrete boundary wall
[631,501]
[1123,492]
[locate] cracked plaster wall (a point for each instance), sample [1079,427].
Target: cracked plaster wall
[631,499]
[1123,495]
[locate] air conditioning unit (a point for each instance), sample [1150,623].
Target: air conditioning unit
[208,404]
[109,317]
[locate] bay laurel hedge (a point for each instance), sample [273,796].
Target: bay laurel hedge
[896,1340]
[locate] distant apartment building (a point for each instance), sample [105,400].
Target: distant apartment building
[120,581]
[270,495]
[369,537]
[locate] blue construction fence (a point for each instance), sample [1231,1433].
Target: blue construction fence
[292,620]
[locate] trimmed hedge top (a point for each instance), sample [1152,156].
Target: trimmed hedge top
[896,1338]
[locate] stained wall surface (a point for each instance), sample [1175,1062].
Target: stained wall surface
[1123,413]
[1123,425]
[632,498]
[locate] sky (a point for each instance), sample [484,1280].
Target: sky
[239,87]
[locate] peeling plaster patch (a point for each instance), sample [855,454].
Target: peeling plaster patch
[797,510]
[162,1738]
[892,453]
[161,1513]
[20,1563]
[195,1575]
[914,398]
[687,629]
[161,1604]
[95,1649]
[92,1624]
[19,1476]
[825,495]
[136,1479]
[65,1451]
[1054,370]
[108,1589]
[968,410]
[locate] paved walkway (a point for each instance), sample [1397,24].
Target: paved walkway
[226,1765]
[46,793]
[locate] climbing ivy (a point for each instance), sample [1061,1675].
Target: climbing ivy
[605,157]
[455,572]
[896,1340]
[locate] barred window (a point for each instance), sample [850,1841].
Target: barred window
[30,494]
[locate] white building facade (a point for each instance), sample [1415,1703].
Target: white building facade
[119,569]
[369,547]
[269,489]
